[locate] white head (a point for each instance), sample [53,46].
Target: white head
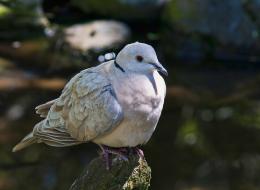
[139,57]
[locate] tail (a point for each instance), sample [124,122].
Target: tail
[28,140]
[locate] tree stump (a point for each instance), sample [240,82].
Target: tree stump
[123,175]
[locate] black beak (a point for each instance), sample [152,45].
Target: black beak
[160,68]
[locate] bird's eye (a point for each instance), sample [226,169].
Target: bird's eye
[139,58]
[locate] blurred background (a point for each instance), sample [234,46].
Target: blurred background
[208,137]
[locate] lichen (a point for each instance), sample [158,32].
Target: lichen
[140,177]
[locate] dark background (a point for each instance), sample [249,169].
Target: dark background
[208,137]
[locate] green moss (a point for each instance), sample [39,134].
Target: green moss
[188,132]
[4,11]
[140,177]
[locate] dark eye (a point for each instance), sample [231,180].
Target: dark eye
[139,58]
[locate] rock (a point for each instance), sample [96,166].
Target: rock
[75,47]
[134,174]
[224,21]
[127,9]
[81,44]
[96,35]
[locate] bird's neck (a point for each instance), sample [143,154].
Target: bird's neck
[117,66]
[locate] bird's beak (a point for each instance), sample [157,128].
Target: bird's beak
[158,66]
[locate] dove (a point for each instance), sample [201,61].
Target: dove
[115,104]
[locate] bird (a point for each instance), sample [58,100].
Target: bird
[115,105]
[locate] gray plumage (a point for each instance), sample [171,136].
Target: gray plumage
[105,104]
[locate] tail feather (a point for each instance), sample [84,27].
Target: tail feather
[27,141]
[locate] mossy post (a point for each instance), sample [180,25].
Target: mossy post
[134,174]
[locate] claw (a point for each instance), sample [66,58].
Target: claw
[139,152]
[122,153]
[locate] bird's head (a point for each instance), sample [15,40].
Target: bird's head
[139,57]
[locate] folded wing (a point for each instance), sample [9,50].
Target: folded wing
[87,108]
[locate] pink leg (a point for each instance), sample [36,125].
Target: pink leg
[139,152]
[106,156]
[122,153]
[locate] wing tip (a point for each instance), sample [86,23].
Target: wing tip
[16,148]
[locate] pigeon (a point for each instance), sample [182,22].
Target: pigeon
[116,104]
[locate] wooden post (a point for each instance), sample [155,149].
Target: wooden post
[123,175]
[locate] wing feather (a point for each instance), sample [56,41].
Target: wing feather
[87,108]
[43,109]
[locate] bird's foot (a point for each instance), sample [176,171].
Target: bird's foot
[122,153]
[138,151]
[106,157]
